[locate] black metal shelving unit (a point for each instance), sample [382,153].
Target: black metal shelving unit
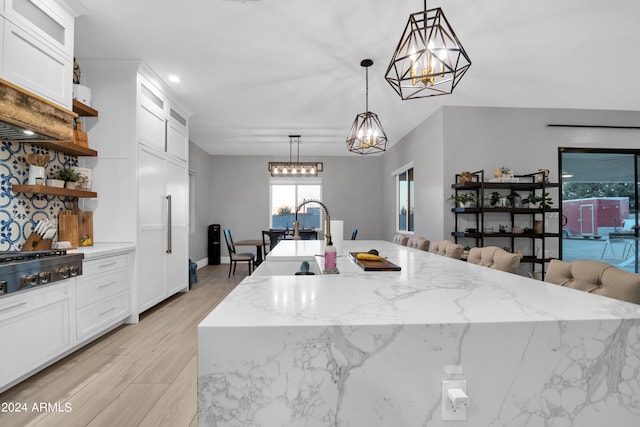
[532,183]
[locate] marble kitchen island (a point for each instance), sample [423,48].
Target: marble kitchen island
[372,348]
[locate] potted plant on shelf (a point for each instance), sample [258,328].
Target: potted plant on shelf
[514,199]
[463,200]
[495,199]
[69,176]
[544,200]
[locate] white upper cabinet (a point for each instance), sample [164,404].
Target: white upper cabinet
[177,134]
[161,123]
[151,116]
[37,48]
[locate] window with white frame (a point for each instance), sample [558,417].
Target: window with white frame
[286,194]
[405,205]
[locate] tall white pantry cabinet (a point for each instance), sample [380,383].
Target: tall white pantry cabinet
[142,174]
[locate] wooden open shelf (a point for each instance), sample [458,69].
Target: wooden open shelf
[83,109]
[66,147]
[52,191]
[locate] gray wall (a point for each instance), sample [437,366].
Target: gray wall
[457,139]
[239,194]
[424,147]
[200,170]
[234,190]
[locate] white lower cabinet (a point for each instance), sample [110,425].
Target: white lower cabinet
[35,327]
[103,295]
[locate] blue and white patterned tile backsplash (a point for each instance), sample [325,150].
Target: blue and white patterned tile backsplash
[20,212]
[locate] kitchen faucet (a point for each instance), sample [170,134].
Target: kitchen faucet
[296,232]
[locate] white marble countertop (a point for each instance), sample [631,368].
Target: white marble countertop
[99,250]
[296,250]
[430,289]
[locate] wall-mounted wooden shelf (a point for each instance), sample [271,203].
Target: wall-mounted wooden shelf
[66,147]
[83,109]
[52,191]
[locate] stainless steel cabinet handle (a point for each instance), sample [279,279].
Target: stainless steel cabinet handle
[169,224]
[107,284]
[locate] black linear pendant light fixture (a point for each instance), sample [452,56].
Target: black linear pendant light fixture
[295,168]
[367,135]
[429,59]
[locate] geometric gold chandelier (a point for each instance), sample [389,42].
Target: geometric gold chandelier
[367,135]
[297,168]
[429,59]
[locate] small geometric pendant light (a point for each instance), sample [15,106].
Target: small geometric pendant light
[429,59]
[367,135]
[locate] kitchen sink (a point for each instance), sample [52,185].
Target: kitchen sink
[283,268]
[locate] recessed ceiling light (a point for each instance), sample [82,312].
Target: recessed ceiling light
[174,79]
[28,132]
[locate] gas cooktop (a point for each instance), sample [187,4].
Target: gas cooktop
[28,269]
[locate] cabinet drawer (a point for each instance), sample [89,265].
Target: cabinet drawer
[95,288]
[103,265]
[97,317]
[26,301]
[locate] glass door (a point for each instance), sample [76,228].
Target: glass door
[598,206]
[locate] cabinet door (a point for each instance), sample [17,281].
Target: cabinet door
[152,232]
[177,135]
[29,63]
[178,258]
[49,22]
[151,117]
[34,328]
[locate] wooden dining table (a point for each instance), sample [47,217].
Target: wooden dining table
[257,243]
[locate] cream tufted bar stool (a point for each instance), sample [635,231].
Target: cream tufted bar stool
[400,239]
[496,258]
[595,277]
[418,243]
[447,248]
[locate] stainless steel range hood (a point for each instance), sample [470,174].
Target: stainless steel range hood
[27,117]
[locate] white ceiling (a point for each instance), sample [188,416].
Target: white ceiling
[255,71]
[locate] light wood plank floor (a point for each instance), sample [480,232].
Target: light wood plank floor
[137,375]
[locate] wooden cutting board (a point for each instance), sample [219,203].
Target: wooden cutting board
[83,226]
[68,228]
[371,265]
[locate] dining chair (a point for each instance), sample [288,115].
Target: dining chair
[354,233]
[270,239]
[308,234]
[234,257]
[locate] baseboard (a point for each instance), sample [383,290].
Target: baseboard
[205,261]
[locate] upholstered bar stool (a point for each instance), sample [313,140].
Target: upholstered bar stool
[595,277]
[418,243]
[400,239]
[496,258]
[447,248]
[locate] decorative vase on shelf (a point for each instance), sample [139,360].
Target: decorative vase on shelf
[466,177]
[70,184]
